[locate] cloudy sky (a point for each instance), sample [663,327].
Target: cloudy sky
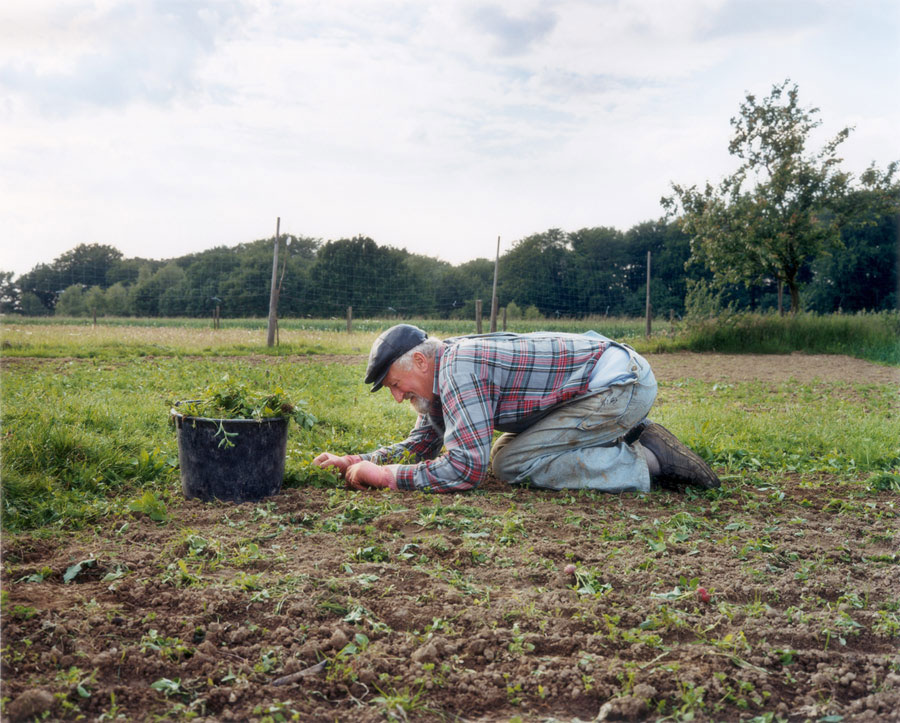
[163,127]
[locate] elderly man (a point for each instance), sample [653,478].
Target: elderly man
[572,407]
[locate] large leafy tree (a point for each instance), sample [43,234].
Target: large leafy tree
[71,301]
[538,271]
[599,258]
[863,273]
[86,264]
[460,286]
[357,272]
[158,291]
[670,249]
[10,294]
[427,274]
[783,205]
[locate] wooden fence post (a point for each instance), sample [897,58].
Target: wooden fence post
[494,290]
[477,316]
[273,291]
[648,293]
[349,319]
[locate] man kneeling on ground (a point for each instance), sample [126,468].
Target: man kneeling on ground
[573,409]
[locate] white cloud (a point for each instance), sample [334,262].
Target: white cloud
[164,127]
[77,56]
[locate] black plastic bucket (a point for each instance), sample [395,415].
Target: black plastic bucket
[238,460]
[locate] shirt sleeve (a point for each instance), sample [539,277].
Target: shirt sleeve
[423,442]
[468,414]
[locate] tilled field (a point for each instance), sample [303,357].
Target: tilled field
[774,598]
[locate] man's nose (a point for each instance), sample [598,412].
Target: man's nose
[398,395]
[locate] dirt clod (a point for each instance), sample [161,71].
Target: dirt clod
[29,704]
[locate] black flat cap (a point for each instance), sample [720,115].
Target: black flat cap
[388,348]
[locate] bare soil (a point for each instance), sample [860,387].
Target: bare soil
[775,597]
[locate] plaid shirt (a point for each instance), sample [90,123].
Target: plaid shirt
[494,381]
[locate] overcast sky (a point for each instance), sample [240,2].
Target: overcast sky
[164,127]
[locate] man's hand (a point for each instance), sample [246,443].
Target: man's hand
[326,459]
[367,474]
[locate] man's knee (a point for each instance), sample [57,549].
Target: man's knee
[499,458]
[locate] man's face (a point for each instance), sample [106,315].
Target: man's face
[413,384]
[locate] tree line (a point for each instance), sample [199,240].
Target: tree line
[787,217]
[593,271]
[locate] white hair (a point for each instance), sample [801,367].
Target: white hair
[427,347]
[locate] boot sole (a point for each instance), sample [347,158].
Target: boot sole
[678,463]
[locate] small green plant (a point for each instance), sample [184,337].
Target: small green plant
[884,482]
[169,687]
[358,615]
[267,663]
[510,531]
[23,612]
[148,465]
[590,582]
[342,667]
[168,648]
[150,505]
[786,656]
[683,590]
[733,643]
[518,645]
[399,704]
[114,712]
[372,553]
[691,699]
[249,582]
[179,574]
[38,576]
[514,693]
[77,680]
[247,554]
[74,570]
[276,712]
[887,625]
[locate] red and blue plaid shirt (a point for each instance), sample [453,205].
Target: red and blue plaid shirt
[494,381]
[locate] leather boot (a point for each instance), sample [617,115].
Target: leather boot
[678,464]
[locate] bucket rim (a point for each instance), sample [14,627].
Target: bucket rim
[175,413]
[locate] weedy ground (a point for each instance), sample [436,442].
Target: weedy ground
[773,598]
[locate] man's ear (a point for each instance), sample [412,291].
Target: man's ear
[420,361]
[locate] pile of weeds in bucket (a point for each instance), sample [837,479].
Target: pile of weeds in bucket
[231,399]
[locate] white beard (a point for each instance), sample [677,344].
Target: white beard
[421,405]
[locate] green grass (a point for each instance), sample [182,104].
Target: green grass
[128,338]
[83,438]
[616,326]
[871,336]
[844,427]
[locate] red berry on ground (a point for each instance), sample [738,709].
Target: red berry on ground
[703,594]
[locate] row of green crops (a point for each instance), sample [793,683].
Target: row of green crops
[81,438]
